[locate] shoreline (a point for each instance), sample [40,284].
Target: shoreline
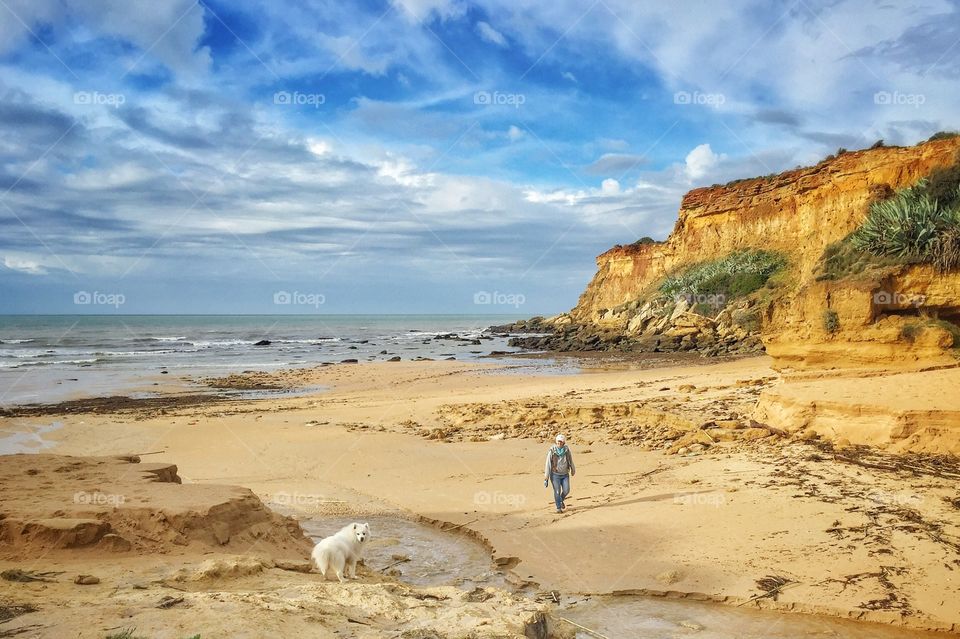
[375,411]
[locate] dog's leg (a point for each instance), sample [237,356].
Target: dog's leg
[352,569]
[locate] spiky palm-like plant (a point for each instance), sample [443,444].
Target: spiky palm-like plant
[904,226]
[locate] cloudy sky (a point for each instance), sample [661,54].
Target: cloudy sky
[406,155]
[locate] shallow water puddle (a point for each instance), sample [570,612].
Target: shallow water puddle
[652,618]
[436,558]
[440,558]
[31,441]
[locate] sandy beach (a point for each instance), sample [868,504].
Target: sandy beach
[660,506]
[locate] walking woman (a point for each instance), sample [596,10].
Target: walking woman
[558,470]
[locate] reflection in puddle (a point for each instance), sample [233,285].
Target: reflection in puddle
[30,441]
[439,558]
[436,558]
[621,617]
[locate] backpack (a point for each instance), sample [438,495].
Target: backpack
[560,463]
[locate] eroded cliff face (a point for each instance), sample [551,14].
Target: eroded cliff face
[798,212]
[898,315]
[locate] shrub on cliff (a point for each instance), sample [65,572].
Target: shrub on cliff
[913,226]
[731,277]
[842,259]
[943,135]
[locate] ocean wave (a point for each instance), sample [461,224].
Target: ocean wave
[17,341]
[202,343]
[48,362]
[31,353]
[167,351]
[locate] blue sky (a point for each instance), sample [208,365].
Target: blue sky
[408,155]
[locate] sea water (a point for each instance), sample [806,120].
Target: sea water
[45,358]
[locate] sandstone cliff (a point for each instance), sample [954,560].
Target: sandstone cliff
[798,214]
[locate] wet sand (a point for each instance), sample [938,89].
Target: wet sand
[464,444]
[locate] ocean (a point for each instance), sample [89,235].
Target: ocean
[46,358]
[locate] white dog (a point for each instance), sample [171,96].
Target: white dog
[341,551]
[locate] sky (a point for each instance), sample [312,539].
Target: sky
[415,156]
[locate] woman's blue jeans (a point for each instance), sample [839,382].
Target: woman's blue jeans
[561,488]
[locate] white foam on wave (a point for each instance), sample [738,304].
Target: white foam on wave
[48,362]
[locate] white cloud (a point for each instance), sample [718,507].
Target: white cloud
[700,161]
[490,34]
[422,9]
[566,75]
[403,172]
[168,32]
[514,133]
[610,187]
[318,147]
[24,264]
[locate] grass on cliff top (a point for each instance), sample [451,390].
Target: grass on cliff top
[723,280]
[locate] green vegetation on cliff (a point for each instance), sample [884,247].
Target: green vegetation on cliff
[914,226]
[725,279]
[919,224]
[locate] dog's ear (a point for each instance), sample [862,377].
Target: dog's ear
[355,526]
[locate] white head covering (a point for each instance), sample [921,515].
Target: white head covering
[561,438]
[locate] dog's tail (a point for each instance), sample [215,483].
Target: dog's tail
[321,559]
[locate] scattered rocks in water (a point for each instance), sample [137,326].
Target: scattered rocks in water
[86,580]
[395,358]
[657,326]
[349,361]
[263,342]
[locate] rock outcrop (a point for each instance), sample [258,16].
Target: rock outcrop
[881,316]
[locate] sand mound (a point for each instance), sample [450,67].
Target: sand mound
[55,503]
